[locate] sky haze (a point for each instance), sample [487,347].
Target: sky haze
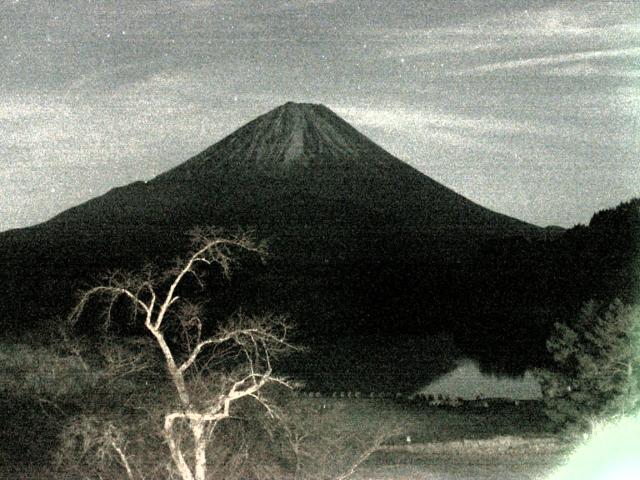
[528,108]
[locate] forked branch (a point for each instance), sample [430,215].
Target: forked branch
[257,338]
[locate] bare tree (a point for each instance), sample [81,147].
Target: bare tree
[252,340]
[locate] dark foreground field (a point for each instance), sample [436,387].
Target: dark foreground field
[500,442]
[498,458]
[495,443]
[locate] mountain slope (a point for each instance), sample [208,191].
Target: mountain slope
[298,168]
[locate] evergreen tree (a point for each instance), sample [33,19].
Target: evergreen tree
[596,371]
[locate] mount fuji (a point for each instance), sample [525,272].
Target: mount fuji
[362,245]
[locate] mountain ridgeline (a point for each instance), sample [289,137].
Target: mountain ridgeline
[372,259]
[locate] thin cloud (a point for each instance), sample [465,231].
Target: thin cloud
[448,132]
[584,69]
[262,6]
[552,60]
[398,118]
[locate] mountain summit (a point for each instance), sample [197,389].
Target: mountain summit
[289,138]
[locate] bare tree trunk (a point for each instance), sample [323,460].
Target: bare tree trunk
[200,449]
[174,371]
[176,452]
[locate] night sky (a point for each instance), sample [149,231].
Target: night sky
[528,108]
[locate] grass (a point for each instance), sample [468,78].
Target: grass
[457,443]
[433,424]
[463,440]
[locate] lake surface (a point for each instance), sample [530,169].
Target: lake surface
[467,381]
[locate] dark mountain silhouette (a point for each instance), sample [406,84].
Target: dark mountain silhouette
[364,248]
[523,286]
[297,169]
